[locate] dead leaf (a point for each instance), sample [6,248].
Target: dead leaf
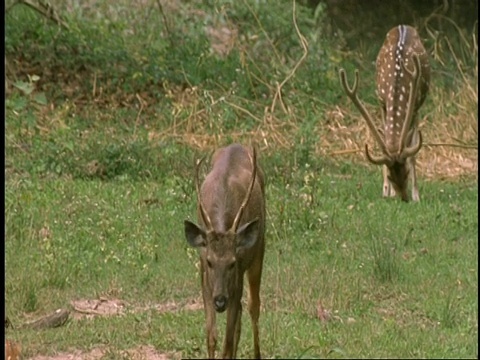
[322,314]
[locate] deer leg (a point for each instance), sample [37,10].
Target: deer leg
[229,345]
[210,318]
[388,189]
[254,278]
[211,330]
[238,330]
[413,174]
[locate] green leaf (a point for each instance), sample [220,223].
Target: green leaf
[24,87]
[16,104]
[40,98]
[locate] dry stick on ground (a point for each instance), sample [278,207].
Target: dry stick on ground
[58,318]
[44,8]
[352,151]
[346,151]
[463,146]
[241,109]
[87,311]
[304,43]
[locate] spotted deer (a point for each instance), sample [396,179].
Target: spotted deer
[230,239]
[403,76]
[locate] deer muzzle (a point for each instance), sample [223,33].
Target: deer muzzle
[220,303]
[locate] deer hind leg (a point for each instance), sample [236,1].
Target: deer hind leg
[388,190]
[254,278]
[413,174]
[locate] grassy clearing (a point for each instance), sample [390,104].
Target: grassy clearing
[392,287]
[103,123]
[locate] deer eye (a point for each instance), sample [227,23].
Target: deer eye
[231,265]
[209,263]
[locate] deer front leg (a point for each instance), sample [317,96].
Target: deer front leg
[388,190]
[210,318]
[254,278]
[238,330]
[211,330]
[413,174]
[415,193]
[234,313]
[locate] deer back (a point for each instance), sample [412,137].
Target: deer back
[395,66]
[231,214]
[226,186]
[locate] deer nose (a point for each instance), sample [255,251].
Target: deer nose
[220,303]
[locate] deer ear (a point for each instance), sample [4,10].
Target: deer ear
[195,236]
[247,235]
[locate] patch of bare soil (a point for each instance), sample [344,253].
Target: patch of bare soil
[89,308]
[142,352]
[94,354]
[222,39]
[191,305]
[100,307]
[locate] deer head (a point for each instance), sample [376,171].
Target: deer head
[403,76]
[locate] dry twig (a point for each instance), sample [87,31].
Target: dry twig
[304,43]
[42,7]
[58,318]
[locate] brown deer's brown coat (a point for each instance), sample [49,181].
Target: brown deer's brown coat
[230,239]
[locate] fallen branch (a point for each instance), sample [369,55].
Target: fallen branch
[58,318]
[353,151]
[346,151]
[88,311]
[464,146]
[42,7]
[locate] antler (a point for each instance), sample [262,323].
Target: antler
[205,217]
[236,221]
[405,152]
[378,160]
[352,94]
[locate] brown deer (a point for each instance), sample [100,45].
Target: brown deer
[230,238]
[403,76]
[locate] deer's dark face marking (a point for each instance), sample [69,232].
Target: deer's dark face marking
[220,267]
[398,176]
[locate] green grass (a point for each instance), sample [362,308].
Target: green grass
[98,183]
[406,273]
